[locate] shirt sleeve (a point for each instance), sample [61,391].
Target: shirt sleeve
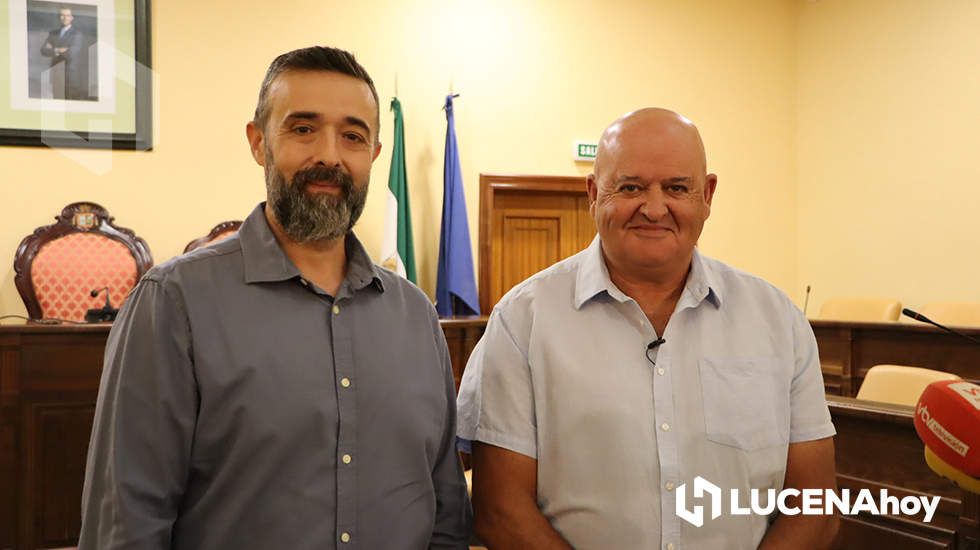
[496,399]
[139,452]
[454,516]
[809,415]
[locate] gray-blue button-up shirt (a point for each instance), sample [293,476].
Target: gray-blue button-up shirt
[242,407]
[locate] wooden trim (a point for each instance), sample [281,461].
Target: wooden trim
[222,227]
[890,326]
[65,224]
[489,185]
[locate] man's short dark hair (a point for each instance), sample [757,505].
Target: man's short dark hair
[315,58]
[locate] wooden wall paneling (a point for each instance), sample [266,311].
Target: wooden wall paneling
[9,430]
[877,448]
[849,349]
[968,534]
[462,334]
[835,358]
[860,534]
[61,436]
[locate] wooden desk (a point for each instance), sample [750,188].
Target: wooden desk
[49,381]
[848,350]
[877,448]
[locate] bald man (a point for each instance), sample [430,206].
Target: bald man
[606,383]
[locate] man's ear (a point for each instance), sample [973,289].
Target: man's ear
[256,141]
[592,191]
[377,151]
[710,183]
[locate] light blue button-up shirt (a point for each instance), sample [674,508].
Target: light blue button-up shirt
[563,375]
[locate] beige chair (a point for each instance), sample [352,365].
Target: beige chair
[957,314]
[861,309]
[899,385]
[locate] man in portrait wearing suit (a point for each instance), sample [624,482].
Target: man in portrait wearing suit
[66,47]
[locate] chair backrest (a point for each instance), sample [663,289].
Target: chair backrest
[961,314]
[861,309]
[899,384]
[219,232]
[58,265]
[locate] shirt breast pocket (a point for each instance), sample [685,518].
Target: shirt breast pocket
[746,402]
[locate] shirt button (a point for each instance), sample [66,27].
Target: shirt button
[660,371]
[345,382]
[336,309]
[669,486]
[345,537]
[665,427]
[346,459]
[669,546]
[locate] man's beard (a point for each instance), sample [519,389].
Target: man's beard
[307,217]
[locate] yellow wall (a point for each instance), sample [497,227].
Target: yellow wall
[889,179]
[533,78]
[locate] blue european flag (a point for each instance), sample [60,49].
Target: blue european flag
[455,284]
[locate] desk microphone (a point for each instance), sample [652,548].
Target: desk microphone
[920,317]
[806,300]
[105,314]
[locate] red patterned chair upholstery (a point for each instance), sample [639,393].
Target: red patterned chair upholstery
[220,232]
[58,265]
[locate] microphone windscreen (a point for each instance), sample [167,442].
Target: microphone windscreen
[947,419]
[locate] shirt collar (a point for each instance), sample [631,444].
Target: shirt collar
[593,279]
[702,283]
[265,260]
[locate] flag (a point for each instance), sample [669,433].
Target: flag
[397,249]
[455,285]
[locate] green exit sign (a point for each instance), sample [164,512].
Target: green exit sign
[585,151]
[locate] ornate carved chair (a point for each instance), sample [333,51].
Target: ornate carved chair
[220,232]
[59,265]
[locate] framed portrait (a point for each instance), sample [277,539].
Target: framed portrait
[76,74]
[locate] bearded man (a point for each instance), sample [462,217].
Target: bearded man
[277,389]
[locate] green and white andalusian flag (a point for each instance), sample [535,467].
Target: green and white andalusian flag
[397,250]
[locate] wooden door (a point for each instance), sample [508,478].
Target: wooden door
[528,223]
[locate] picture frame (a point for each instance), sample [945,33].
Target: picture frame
[76,73]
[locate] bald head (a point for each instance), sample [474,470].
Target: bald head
[650,195]
[670,129]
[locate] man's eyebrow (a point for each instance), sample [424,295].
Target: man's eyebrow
[314,116]
[667,181]
[300,115]
[354,121]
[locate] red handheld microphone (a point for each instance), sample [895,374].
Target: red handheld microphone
[947,419]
